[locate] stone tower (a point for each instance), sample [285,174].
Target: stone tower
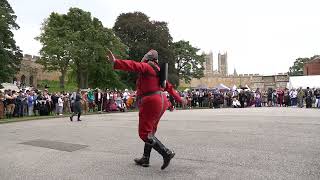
[223,64]
[208,64]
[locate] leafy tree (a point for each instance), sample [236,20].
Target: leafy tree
[54,39]
[298,65]
[188,63]
[10,54]
[80,42]
[140,35]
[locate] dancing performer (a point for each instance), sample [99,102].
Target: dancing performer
[152,102]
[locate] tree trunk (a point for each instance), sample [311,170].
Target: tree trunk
[83,80]
[62,77]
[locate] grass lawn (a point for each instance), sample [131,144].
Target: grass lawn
[54,86]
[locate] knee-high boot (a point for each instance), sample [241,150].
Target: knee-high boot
[161,149]
[144,160]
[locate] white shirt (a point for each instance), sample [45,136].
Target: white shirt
[125,95]
[60,102]
[99,96]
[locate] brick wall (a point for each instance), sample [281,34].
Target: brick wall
[312,68]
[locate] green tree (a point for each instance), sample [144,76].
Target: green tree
[188,63]
[298,65]
[140,35]
[54,39]
[10,54]
[80,42]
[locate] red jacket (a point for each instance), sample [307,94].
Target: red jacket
[148,80]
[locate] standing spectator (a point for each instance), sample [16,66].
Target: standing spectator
[10,103]
[106,101]
[242,98]
[317,95]
[280,95]
[201,98]
[269,97]
[84,102]
[72,100]
[35,103]
[257,96]
[1,105]
[60,105]
[300,97]
[91,100]
[98,99]
[54,99]
[274,97]
[30,102]
[19,105]
[293,97]
[286,98]
[309,96]
[126,95]
[66,103]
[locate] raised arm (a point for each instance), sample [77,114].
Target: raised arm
[128,65]
[169,88]
[133,66]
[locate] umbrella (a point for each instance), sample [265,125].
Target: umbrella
[243,87]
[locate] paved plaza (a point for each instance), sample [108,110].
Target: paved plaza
[252,143]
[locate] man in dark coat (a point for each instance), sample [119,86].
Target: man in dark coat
[76,106]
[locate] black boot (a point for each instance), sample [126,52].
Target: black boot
[71,117]
[161,149]
[79,114]
[144,161]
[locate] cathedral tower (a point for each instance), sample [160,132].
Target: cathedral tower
[208,64]
[222,64]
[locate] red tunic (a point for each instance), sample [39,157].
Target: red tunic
[152,107]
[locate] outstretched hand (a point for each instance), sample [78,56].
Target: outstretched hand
[110,56]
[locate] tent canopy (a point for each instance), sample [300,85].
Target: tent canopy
[7,86]
[221,87]
[304,82]
[234,87]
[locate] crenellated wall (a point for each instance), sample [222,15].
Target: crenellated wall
[31,72]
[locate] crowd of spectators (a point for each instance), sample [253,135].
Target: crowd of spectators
[34,102]
[241,98]
[42,103]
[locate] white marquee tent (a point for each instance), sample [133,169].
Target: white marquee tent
[6,86]
[304,82]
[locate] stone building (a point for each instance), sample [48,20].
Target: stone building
[31,72]
[312,67]
[214,77]
[223,64]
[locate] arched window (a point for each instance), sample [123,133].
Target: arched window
[23,80]
[31,81]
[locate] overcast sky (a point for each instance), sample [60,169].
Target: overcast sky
[260,36]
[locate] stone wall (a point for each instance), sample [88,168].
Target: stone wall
[31,72]
[215,80]
[254,81]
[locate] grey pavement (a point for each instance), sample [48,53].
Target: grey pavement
[253,143]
